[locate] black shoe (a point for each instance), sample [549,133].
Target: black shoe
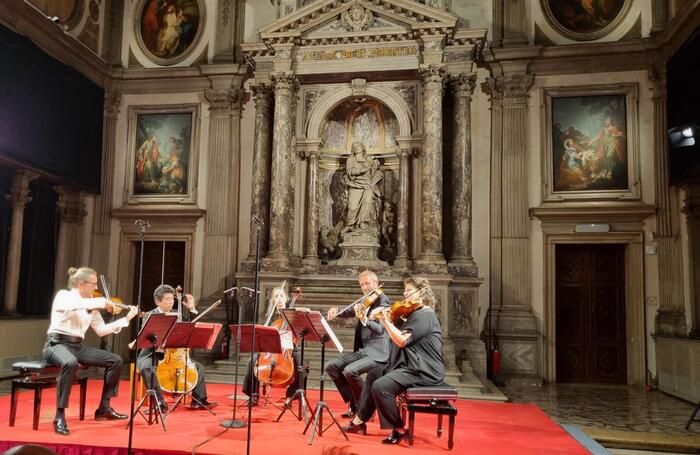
[358,428]
[394,437]
[351,413]
[109,414]
[203,404]
[61,427]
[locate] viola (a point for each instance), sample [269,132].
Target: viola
[366,300]
[401,309]
[177,373]
[277,369]
[117,303]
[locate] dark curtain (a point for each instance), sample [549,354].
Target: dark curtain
[39,239]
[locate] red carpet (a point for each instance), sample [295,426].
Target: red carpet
[482,428]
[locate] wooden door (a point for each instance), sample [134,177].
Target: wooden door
[156,270]
[590,314]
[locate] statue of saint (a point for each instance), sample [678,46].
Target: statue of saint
[362,180]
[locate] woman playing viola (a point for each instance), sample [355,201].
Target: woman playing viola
[415,360]
[278,301]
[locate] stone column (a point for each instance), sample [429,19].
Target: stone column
[461,261]
[221,219]
[99,253]
[311,246]
[226,31]
[260,198]
[659,15]
[282,192]
[402,259]
[509,23]
[516,328]
[432,258]
[71,215]
[18,198]
[670,318]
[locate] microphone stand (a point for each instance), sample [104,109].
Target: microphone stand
[233,423]
[258,222]
[141,227]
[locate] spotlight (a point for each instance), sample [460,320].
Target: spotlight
[682,136]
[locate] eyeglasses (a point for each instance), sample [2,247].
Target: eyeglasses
[91,283]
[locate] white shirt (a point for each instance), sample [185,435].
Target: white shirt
[72,314]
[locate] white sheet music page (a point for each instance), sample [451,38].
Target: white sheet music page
[331,334]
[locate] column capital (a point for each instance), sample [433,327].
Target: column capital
[71,205]
[657,76]
[19,188]
[463,84]
[432,74]
[515,86]
[112,101]
[283,80]
[223,99]
[262,93]
[489,87]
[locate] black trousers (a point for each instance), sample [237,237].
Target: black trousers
[346,372]
[250,388]
[380,394]
[144,362]
[69,355]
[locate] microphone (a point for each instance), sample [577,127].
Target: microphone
[250,290]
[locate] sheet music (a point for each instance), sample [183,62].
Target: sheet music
[331,334]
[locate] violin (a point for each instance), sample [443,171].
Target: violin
[277,370]
[117,303]
[401,309]
[366,300]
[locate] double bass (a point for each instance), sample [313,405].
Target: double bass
[277,369]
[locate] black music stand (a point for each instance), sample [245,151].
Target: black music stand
[320,331]
[152,336]
[267,339]
[300,326]
[191,335]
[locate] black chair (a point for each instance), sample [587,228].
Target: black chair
[430,400]
[38,375]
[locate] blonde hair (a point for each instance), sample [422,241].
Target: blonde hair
[370,274]
[75,276]
[424,291]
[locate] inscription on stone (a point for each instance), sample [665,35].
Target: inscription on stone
[360,53]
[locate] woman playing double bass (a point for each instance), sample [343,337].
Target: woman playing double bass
[278,301]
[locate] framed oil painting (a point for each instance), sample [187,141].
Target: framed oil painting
[163,157]
[168,30]
[590,138]
[585,20]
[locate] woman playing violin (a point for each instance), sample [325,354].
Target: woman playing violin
[72,312]
[415,359]
[278,301]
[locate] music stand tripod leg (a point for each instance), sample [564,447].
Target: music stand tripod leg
[153,403]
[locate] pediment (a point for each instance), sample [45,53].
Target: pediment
[329,19]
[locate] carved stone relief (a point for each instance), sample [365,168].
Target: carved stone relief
[357,18]
[464,315]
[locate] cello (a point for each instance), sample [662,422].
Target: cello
[177,373]
[277,369]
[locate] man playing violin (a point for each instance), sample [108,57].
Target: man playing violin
[164,297]
[72,312]
[371,347]
[251,384]
[415,360]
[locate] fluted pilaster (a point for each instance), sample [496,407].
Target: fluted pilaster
[670,318]
[18,198]
[221,219]
[99,253]
[432,257]
[260,198]
[691,208]
[282,195]
[461,261]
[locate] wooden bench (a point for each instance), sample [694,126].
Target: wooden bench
[38,375]
[430,400]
